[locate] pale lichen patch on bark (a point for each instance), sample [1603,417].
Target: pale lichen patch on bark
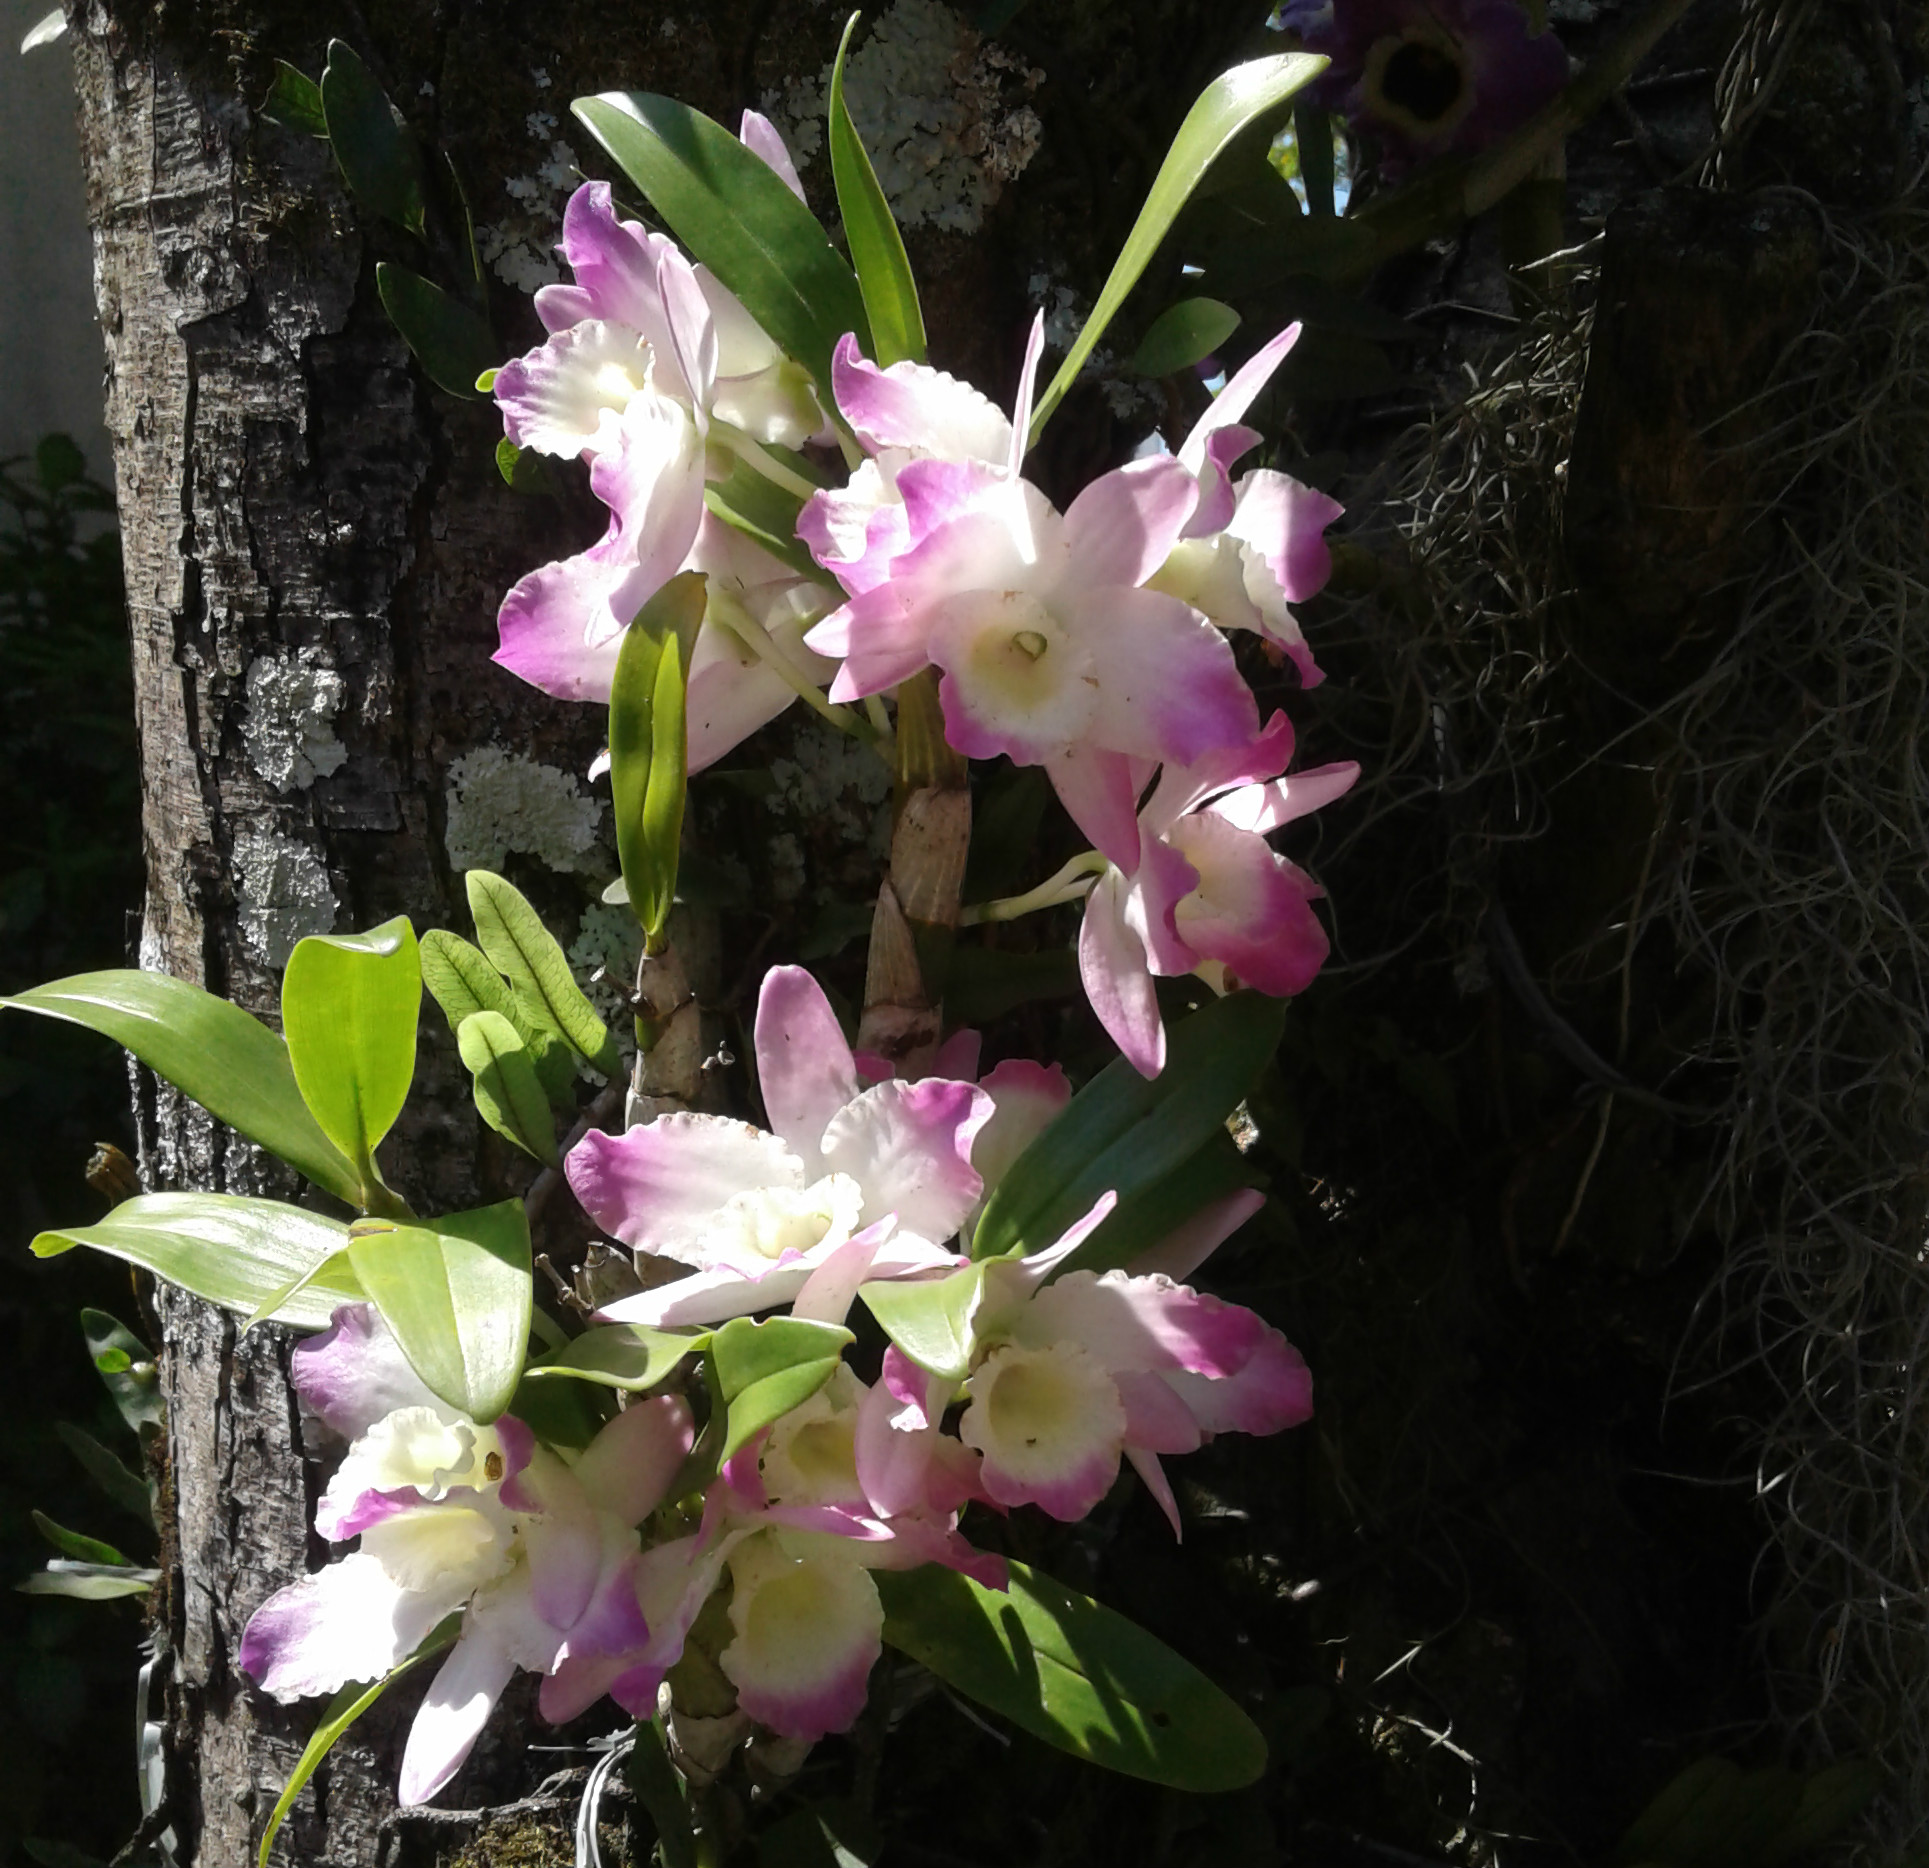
[500,802]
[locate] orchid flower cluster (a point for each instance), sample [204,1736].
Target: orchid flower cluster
[1063,1374]
[926,1295]
[1097,643]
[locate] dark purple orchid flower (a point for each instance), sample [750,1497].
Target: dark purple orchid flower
[1426,77]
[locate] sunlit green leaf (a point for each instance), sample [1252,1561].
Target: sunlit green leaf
[546,993]
[735,217]
[766,514]
[234,1252]
[765,1369]
[294,100]
[231,1064]
[456,1293]
[928,1318]
[452,340]
[88,1582]
[1124,1133]
[1226,106]
[378,157]
[877,248]
[508,1095]
[343,1710]
[523,470]
[630,1356]
[1154,1211]
[647,745]
[349,1005]
[1184,334]
[463,980]
[1070,1671]
[73,1544]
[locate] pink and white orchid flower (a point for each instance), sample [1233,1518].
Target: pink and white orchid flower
[540,1557]
[852,1184]
[1069,1373]
[1254,547]
[1207,894]
[1052,648]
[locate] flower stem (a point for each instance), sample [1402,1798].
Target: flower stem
[1070,884]
[727,613]
[761,458]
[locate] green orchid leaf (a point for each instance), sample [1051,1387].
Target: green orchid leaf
[451,340]
[463,980]
[929,1318]
[523,470]
[734,216]
[508,1094]
[1184,334]
[456,1292]
[1228,105]
[88,1582]
[648,740]
[546,994]
[763,1370]
[630,1356]
[234,1252]
[343,1710]
[81,1549]
[230,1063]
[1126,1134]
[1074,1673]
[350,1004]
[123,1485]
[884,278]
[766,514]
[126,1365]
[1160,1207]
[379,158]
[294,101]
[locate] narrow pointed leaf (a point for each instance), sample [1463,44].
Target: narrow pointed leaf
[765,1369]
[1161,1206]
[1226,106]
[1126,1134]
[877,248]
[350,1004]
[229,1062]
[1184,334]
[1074,1673]
[457,1295]
[126,1365]
[508,1094]
[88,1582]
[648,745]
[1313,139]
[735,217]
[766,514]
[378,157]
[451,340]
[630,1356]
[73,1544]
[234,1252]
[462,980]
[125,1487]
[513,936]
[343,1710]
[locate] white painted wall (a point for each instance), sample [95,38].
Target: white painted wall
[50,352]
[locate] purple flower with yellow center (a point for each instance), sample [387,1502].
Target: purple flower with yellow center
[1427,77]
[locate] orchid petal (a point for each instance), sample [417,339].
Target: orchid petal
[1239,394]
[804,1065]
[1144,1323]
[1252,909]
[708,1297]
[1118,981]
[654,1185]
[764,140]
[1146,1465]
[1025,1099]
[547,621]
[908,1145]
[809,1628]
[452,1715]
[1262,808]
[1285,522]
[1271,1392]
[350,1621]
[1022,403]
[831,1288]
[627,1468]
[1050,1425]
[1100,792]
[353,1373]
[1189,1244]
[910,405]
[1123,526]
